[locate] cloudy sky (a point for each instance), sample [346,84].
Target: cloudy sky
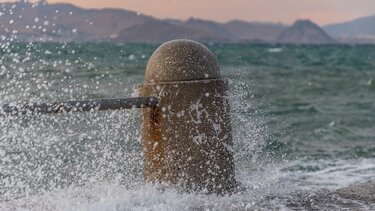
[286,11]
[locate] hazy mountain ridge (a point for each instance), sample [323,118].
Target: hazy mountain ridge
[65,22]
[358,30]
[253,31]
[201,30]
[304,32]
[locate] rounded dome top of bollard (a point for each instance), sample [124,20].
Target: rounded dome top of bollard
[182,60]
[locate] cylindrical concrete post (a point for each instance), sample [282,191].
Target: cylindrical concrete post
[187,138]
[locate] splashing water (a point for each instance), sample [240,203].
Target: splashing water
[94,161]
[289,144]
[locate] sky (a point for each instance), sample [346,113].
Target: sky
[284,11]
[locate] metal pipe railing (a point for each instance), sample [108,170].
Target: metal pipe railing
[79,106]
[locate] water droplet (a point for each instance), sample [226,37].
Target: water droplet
[131,57]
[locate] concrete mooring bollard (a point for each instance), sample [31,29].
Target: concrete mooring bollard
[187,138]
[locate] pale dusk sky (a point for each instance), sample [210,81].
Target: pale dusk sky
[285,11]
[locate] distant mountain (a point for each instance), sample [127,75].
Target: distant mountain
[42,21]
[232,31]
[173,21]
[254,31]
[359,30]
[64,22]
[60,22]
[304,32]
[211,29]
[158,31]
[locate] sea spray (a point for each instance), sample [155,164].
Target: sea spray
[283,106]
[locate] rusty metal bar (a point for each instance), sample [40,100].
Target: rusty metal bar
[79,106]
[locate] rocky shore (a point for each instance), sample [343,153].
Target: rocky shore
[363,192]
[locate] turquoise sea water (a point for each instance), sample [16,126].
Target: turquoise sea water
[303,120]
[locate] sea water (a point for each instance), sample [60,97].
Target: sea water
[303,122]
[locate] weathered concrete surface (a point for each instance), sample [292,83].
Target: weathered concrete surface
[364,192]
[182,60]
[187,138]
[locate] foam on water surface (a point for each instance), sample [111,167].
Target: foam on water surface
[259,191]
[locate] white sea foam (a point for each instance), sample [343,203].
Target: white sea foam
[264,188]
[152,197]
[274,50]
